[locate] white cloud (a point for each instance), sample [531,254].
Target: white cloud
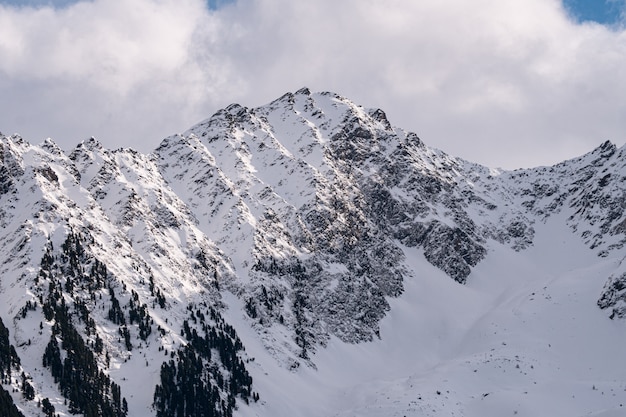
[510,83]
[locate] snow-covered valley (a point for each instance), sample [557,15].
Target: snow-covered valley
[523,337]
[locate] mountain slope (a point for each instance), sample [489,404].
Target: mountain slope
[306,257]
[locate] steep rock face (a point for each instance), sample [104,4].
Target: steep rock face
[588,190]
[302,241]
[614,296]
[315,184]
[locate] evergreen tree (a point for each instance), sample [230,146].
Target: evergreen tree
[88,390]
[8,361]
[196,382]
[7,406]
[47,408]
[8,355]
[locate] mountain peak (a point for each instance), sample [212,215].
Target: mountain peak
[269,250]
[303,91]
[605,148]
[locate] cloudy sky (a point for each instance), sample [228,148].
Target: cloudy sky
[508,83]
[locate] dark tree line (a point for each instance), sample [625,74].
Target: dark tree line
[205,377]
[138,313]
[116,314]
[7,406]
[8,356]
[8,361]
[89,390]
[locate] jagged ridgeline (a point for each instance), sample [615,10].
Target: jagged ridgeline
[74,292]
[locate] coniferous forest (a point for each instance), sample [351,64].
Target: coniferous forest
[88,389]
[205,376]
[8,361]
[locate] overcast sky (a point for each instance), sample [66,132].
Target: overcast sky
[507,83]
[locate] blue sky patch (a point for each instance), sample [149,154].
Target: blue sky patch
[606,12]
[216,4]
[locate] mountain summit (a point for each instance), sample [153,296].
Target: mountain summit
[308,258]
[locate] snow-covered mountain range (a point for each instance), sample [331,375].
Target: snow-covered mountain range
[308,258]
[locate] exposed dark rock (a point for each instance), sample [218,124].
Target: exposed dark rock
[614,296]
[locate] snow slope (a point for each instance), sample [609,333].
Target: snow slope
[523,337]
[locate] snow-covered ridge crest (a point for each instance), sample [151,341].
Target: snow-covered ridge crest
[307,213]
